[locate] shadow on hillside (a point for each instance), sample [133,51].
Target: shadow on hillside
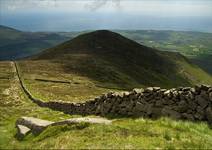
[204,62]
[127,72]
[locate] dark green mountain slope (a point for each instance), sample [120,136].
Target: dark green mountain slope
[17,44]
[196,46]
[111,58]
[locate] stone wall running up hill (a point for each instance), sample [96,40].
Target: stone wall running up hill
[153,102]
[187,103]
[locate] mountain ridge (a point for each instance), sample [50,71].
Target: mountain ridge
[105,56]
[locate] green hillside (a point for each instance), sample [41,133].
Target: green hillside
[110,58]
[196,46]
[124,133]
[87,66]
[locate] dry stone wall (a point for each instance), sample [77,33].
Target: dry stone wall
[187,103]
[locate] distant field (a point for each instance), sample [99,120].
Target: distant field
[187,43]
[196,46]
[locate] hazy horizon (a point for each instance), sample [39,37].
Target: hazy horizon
[78,15]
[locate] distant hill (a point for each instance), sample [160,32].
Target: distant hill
[196,46]
[16,44]
[108,57]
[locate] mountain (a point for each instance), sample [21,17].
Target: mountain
[111,58]
[196,46]
[16,44]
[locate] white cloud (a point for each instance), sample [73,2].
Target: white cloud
[145,7]
[167,8]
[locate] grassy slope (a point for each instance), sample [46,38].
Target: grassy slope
[109,78]
[204,61]
[128,133]
[194,45]
[95,73]
[123,133]
[80,88]
[14,104]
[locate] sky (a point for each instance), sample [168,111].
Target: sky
[75,15]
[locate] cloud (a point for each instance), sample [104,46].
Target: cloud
[144,7]
[71,4]
[97,4]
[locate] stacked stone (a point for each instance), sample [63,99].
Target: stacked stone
[187,103]
[179,103]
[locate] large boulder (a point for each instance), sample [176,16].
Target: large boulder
[28,124]
[36,125]
[83,120]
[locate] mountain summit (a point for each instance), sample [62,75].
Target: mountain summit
[102,41]
[108,57]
